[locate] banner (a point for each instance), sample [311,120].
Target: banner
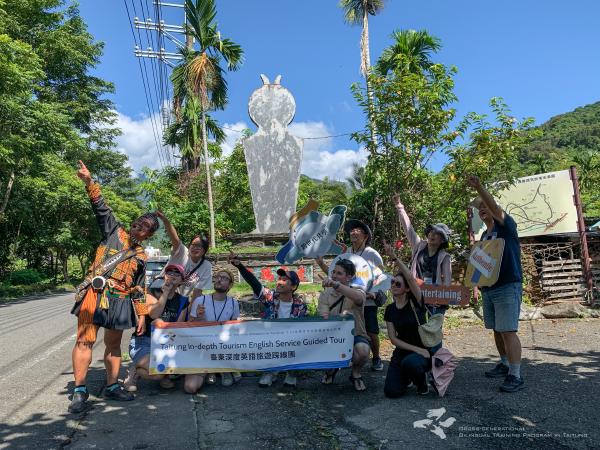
[445,295]
[251,345]
[540,204]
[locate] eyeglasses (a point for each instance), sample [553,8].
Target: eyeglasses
[397,283]
[222,277]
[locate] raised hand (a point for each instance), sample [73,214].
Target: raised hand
[84,174]
[388,250]
[473,181]
[158,213]
[233,259]
[397,202]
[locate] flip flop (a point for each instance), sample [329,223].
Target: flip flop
[359,384]
[329,376]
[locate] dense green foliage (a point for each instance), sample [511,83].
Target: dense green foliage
[53,113]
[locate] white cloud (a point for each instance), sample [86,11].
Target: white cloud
[232,135]
[138,141]
[320,158]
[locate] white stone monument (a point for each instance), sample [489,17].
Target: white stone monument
[273,157]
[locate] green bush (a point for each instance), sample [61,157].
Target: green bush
[24,277]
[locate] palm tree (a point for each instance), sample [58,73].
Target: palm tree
[356,12]
[409,53]
[201,77]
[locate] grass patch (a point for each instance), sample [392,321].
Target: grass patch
[10,293]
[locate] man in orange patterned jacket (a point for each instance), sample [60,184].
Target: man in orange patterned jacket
[119,304]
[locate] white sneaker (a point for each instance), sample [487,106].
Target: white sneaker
[226,379]
[130,382]
[267,379]
[290,380]
[237,377]
[211,378]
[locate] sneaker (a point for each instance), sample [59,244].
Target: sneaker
[237,377]
[211,378]
[512,384]
[267,379]
[377,365]
[119,394]
[166,383]
[423,389]
[130,382]
[79,402]
[226,379]
[290,380]
[500,371]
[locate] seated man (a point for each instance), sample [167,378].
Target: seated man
[163,305]
[340,298]
[282,303]
[216,307]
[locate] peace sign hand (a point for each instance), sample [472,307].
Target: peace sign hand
[84,174]
[233,259]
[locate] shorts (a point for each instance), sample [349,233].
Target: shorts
[501,307]
[362,340]
[139,346]
[371,322]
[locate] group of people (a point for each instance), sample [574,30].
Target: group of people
[181,294]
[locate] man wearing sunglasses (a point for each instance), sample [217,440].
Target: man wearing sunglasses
[340,298]
[215,307]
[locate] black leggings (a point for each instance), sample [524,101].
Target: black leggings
[405,368]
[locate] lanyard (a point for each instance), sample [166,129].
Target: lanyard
[215,310]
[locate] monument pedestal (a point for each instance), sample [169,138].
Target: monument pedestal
[258,239]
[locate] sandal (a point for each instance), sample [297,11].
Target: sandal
[329,376]
[358,383]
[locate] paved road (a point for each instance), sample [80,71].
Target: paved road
[557,410]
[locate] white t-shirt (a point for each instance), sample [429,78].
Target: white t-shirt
[285,309]
[202,276]
[371,255]
[216,310]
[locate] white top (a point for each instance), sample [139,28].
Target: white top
[285,310]
[216,310]
[371,255]
[202,276]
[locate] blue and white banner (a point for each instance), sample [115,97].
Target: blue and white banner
[251,345]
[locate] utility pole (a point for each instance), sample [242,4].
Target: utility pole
[167,58]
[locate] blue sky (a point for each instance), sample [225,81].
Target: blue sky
[541,57]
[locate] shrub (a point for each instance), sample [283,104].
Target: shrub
[24,277]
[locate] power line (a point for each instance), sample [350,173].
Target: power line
[145,89]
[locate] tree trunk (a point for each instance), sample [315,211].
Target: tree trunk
[65,267]
[9,185]
[365,66]
[208,182]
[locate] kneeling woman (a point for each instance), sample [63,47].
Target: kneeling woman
[411,360]
[165,305]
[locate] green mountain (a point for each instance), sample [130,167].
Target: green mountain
[570,139]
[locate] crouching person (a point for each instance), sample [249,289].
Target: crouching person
[166,305]
[411,360]
[215,307]
[340,298]
[282,303]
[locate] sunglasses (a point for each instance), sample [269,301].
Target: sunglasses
[173,273]
[397,283]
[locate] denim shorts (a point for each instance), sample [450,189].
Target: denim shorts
[501,307]
[139,346]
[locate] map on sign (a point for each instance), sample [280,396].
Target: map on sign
[540,204]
